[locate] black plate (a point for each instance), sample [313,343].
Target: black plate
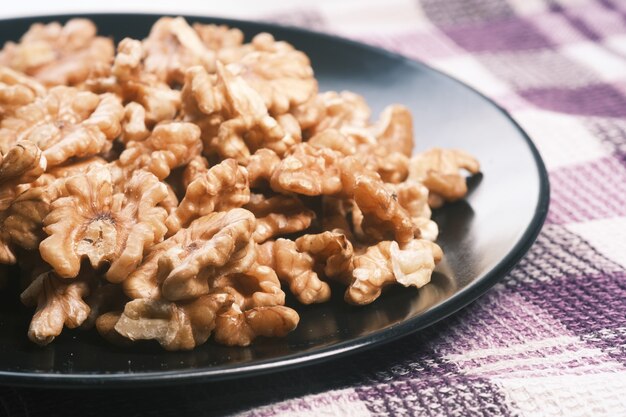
[483,237]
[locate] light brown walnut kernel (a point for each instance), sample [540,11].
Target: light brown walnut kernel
[394,130]
[438,169]
[387,263]
[335,215]
[211,245]
[55,54]
[332,250]
[23,219]
[65,123]
[196,168]
[234,327]
[218,37]
[176,326]
[60,302]
[233,117]
[134,123]
[223,187]
[413,197]
[333,139]
[280,74]
[130,80]
[91,220]
[309,171]
[172,47]
[339,111]
[294,268]
[258,286]
[382,216]
[261,166]
[278,215]
[17,89]
[22,164]
[169,146]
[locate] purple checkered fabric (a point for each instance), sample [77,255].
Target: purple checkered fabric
[550,339]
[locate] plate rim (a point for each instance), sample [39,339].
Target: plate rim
[452,305]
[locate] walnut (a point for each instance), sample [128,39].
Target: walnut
[65,123]
[332,250]
[233,117]
[173,46]
[17,89]
[382,216]
[309,171]
[335,215]
[176,326]
[413,197]
[169,203]
[280,74]
[333,139]
[295,268]
[278,215]
[223,187]
[214,244]
[234,327]
[387,263]
[59,303]
[134,123]
[103,297]
[332,110]
[217,37]
[169,146]
[196,168]
[23,219]
[394,131]
[91,220]
[55,54]
[438,169]
[261,166]
[130,79]
[22,164]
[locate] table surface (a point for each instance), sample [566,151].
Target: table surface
[550,340]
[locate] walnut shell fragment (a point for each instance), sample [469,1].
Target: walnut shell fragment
[58,55]
[438,169]
[223,187]
[387,263]
[91,220]
[60,302]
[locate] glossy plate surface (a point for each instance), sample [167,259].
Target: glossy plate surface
[482,237]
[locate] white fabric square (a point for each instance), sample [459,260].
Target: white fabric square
[598,395]
[528,7]
[561,139]
[607,236]
[617,43]
[608,66]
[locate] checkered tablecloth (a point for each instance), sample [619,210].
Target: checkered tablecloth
[550,339]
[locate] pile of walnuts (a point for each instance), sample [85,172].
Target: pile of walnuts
[172,188]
